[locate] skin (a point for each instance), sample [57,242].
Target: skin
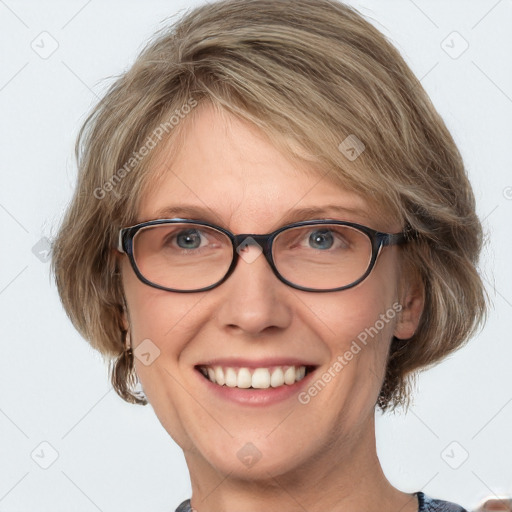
[316,456]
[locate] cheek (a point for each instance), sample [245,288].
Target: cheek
[163,317]
[367,313]
[155,317]
[350,315]
[356,326]
[161,326]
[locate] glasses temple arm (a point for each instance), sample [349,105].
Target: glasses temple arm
[120,241]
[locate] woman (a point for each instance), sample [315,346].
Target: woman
[272,232]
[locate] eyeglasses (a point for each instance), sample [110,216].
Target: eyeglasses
[183,255]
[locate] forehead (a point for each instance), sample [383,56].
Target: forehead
[230,170]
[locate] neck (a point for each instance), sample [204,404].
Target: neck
[346,476]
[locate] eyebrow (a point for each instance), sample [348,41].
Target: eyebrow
[205,214]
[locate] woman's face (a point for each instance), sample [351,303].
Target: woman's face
[228,174]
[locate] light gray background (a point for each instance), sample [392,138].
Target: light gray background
[113,456]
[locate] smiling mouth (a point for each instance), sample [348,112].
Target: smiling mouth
[254,378]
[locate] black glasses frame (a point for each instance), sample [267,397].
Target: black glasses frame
[378,240]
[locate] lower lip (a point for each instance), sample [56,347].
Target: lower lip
[256,397]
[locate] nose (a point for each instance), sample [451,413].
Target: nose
[253,300]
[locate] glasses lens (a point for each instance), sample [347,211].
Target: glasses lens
[323,256]
[182,256]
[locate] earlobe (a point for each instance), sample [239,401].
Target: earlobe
[124,319]
[409,316]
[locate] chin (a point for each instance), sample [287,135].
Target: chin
[259,459]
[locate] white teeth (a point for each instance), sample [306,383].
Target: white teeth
[289,375]
[244,379]
[230,376]
[261,378]
[219,376]
[277,378]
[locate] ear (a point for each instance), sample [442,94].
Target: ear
[124,318]
[412,300]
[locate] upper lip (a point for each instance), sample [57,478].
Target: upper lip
[256,363]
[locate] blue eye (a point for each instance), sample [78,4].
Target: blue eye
[321,239]
[189,239]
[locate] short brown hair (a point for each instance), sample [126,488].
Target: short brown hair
[310,73]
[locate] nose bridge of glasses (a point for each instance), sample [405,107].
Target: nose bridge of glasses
[245,240]
[261,243]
